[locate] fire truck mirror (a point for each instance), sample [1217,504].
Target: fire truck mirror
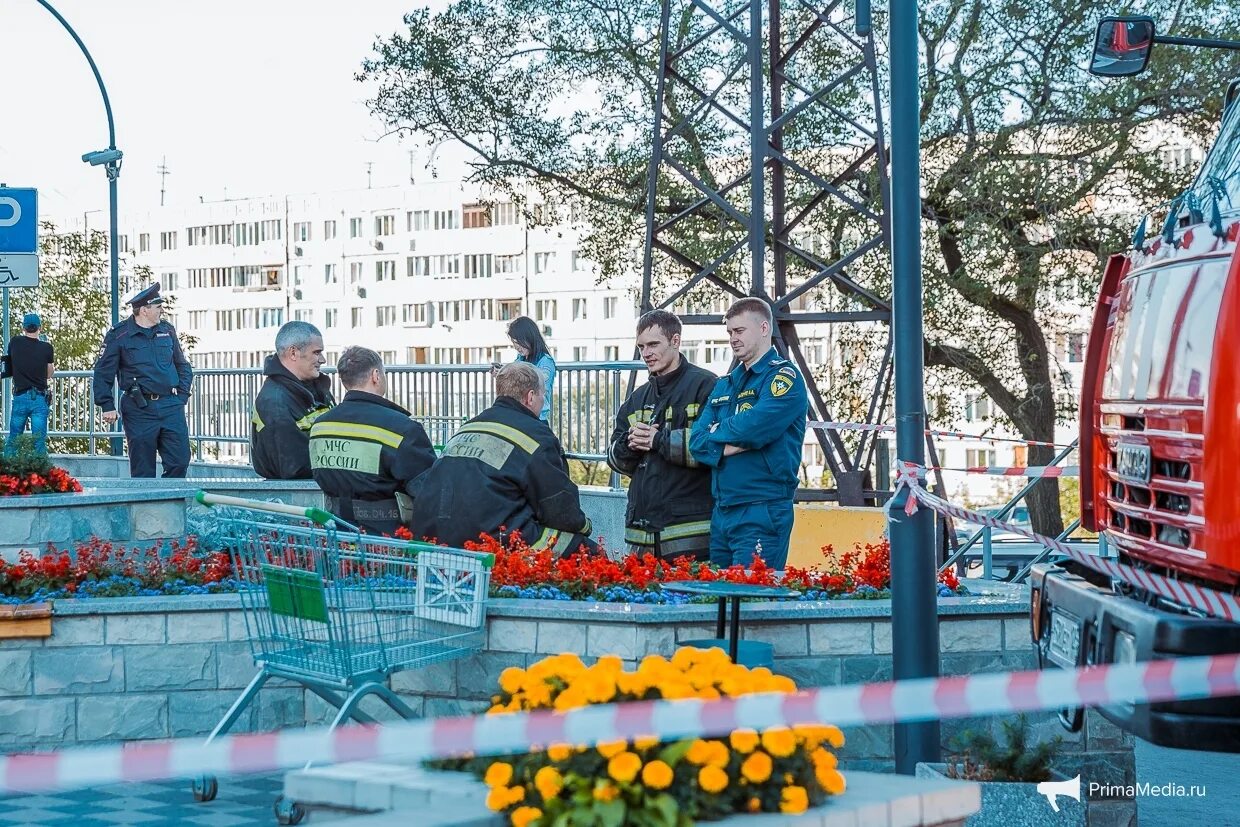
[1122,46]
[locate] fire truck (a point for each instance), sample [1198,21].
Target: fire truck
[1160,436]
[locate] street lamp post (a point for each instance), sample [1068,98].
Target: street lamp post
[914,613]
[109,159]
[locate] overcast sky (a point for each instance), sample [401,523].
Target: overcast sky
[243,97]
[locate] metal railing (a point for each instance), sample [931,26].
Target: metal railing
[441,397]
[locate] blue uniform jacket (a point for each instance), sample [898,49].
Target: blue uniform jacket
[151,357]
[762,410]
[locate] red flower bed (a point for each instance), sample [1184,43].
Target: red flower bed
[54,481]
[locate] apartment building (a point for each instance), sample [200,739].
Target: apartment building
[431,274]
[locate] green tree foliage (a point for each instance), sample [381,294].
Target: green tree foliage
[1033,171]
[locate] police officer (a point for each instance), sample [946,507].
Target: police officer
[750,434]
[155,379]
[502,473]
[366,451]
[669,504]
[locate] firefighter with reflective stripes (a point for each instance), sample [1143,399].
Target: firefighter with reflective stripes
[669,494]
[751,433]
[294,394]
[502,473]
[366,452]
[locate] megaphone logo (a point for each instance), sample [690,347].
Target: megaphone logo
[1053,789]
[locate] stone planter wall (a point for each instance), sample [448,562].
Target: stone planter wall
[125,518]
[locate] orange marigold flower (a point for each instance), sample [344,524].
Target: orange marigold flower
[657,775]
[610,749]
[606,791]
[512,679]
[624,767]
[833,736]
[779,742]
[525,816]
[712,779]
[831,780]
[549,782]
[646,742]
[559,752]
[498,774]
[754,805]
[743,741]
[793,799]
[757,767]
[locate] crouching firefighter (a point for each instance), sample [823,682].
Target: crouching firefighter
[366,452]
[503,473]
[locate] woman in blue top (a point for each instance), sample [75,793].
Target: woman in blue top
[529,343]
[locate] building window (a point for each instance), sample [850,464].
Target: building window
[301,231]
[478,266]
[474,216]
[611,353]
[385,316]
[304,315]
[980,457]
[355,228]
[329,316]
[509,309]
[446,267]
[329,229]
[418,266]
[330,275]
[579,262]
[445,220]
[170,281]
[507,265]
[505,214]
[579,310]
[414,314]
[144,242]
[977,408]
[385,225]
[357,317]
[610,303]
[543,262]
[355,272]
[385,270]
[418,220]
[300,273]
[168,241]
[545,310]
[1076,347]
[579,354]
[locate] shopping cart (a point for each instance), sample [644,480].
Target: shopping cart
[339,611]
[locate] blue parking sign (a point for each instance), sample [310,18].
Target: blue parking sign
[19,220]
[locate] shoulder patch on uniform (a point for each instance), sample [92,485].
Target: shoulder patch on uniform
[719,400]
[780,385]
[788,371]
[746,394]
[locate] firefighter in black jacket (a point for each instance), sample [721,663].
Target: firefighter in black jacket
[293,396]
[366,451]
[504,472]
[669,497]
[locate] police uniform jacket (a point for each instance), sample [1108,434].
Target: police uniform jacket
[670,491]
[149,358]
[284,411]
[367,449]
[762,410]
[503,468]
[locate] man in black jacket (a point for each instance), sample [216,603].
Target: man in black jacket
[293,396]
[366,451]
[669,497]
[503,472]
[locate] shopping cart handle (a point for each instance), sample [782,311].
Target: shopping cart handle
[314,515]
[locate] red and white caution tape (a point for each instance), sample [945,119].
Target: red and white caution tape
[1016,470]
[864,426]
[879,703]
[1210,601]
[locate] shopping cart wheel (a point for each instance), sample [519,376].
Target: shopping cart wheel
[288,812]
[205,788]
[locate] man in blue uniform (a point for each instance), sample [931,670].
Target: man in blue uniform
[155,379]
[750,434]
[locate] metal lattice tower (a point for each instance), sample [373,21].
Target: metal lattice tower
[769,136]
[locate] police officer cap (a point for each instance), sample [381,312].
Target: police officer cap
[148,296]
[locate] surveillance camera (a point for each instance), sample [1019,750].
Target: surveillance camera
[102,156]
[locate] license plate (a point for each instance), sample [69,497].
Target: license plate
[1065,646]
[1132,462]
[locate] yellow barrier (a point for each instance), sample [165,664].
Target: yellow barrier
[821,524]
